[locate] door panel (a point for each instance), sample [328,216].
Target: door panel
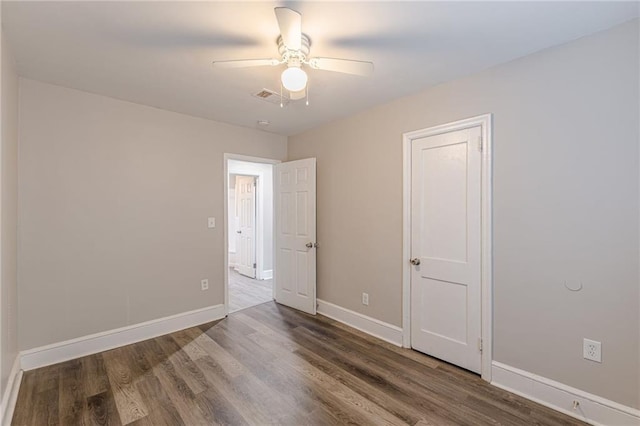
[246,203]
[446,238]
[443,224]
[295,272]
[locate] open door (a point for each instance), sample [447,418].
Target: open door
[295,254]
[246,205]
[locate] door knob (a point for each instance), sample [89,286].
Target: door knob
[238,232]
[309,245]
[415,261]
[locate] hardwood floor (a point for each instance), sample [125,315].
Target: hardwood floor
[245,292]
[267,365]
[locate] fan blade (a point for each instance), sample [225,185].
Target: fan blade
[243,63]
[346,66]
[290,23]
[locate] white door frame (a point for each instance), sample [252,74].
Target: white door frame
[226,158]
[486,284]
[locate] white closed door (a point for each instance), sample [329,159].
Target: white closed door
[246,204]
[295,255]
[446,247]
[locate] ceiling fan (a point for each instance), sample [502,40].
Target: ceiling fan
[293,47]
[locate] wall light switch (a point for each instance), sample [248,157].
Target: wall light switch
[211,223]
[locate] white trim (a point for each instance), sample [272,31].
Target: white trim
[10,395]
[382,330]
[593,409]
[485,122]
[267,274]
[99,342]
[225,201]
[406,242]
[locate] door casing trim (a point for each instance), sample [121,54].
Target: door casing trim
[486,285]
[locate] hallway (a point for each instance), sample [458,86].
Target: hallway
[245,292]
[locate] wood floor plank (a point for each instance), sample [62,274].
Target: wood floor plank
[94,375]
[185,340]
[177,389]
[231,387]
[128,400]
[377,390]
[71,393]
[162,412]
[217,408]
[268,364]
[417,390]
[405,413]
[101,410]
[273,374]
[246,395]
[256,383]
[339,394]
[47,410]
[183,364]
[23,412]
[231,366]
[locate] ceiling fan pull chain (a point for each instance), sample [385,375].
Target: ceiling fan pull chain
[307,93]
[281,103]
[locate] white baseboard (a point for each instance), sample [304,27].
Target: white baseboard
[99,342]
[560,397]
[10,395]
[372,326]
[267,274]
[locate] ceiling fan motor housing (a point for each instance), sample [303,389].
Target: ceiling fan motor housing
[302,53]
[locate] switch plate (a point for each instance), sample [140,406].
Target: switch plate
[211,222]
[592,350]
[204,284]
[365,299]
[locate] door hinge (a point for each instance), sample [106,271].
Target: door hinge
[480,143]
[254,265]
[480,344]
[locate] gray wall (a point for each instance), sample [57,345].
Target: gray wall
[114,200]
[566,189]
[8,215]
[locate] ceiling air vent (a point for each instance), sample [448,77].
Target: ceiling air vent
[271,97]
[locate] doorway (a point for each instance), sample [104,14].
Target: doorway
[447,302]
[249,231]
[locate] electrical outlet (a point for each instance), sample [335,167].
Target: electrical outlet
[204,284]
[592,350]
[365,299]
[211,222]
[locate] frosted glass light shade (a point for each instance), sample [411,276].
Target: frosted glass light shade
[294,79]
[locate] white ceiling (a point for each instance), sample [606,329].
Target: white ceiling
[160,53]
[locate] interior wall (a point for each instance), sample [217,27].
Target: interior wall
[114,200]
[565,208]
[8,214]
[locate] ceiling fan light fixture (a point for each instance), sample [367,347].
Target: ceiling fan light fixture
[294,79]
